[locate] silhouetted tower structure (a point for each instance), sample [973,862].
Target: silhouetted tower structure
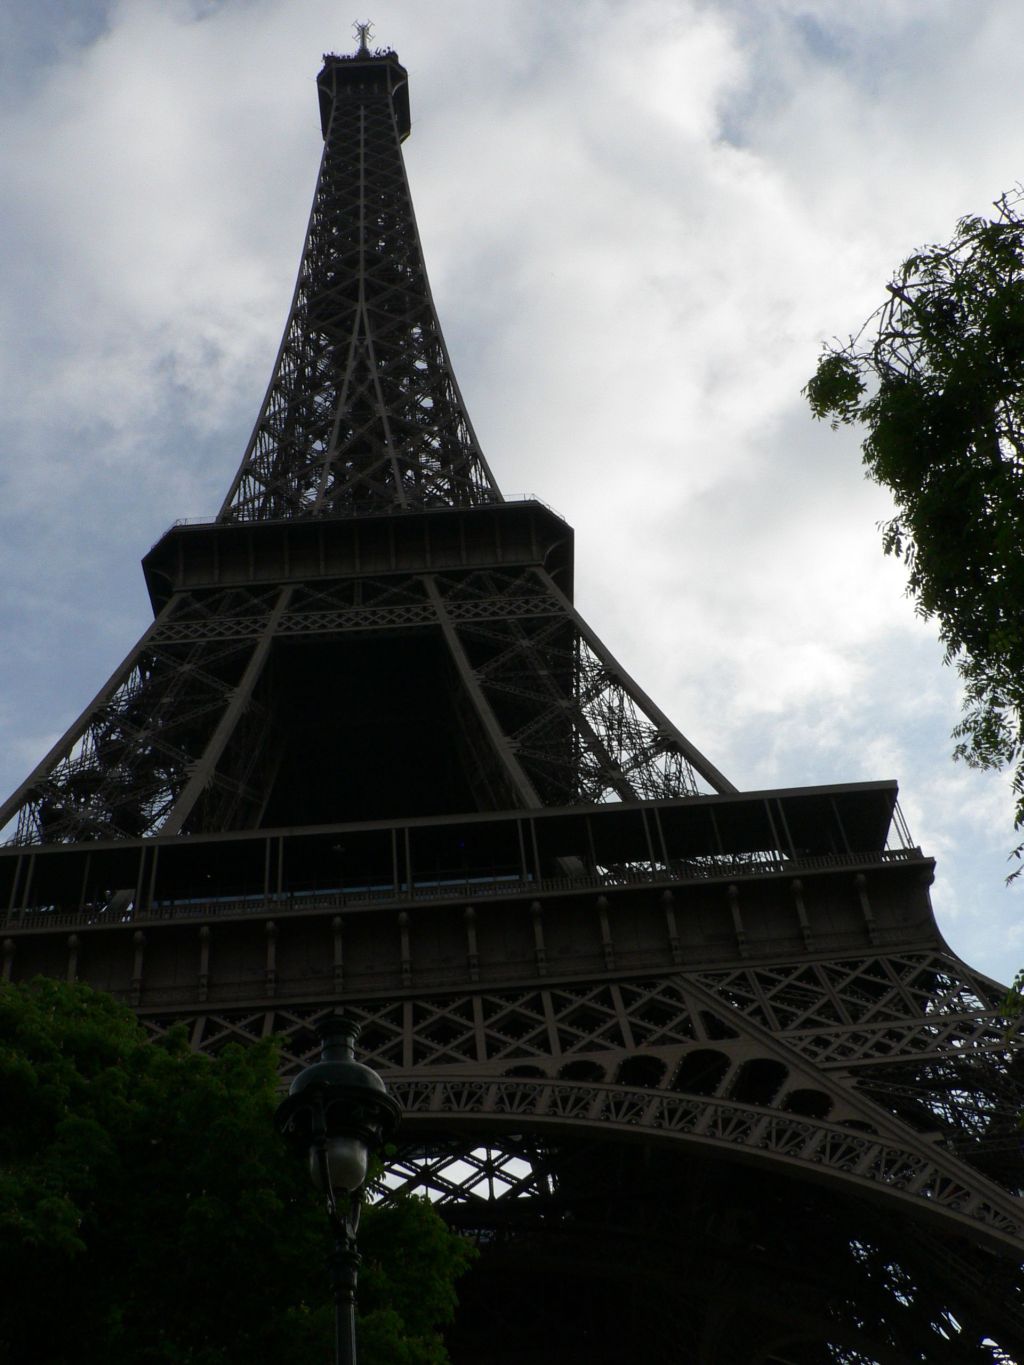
[695,1063]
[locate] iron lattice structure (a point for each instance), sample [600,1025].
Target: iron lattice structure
[694,1065]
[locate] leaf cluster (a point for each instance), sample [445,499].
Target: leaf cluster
[936,379]
[411,1262]
[149,1213]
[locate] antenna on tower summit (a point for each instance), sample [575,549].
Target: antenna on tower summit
[364,32]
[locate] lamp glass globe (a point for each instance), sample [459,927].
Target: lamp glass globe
[346,1159]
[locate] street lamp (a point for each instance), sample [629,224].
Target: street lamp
[338,1113]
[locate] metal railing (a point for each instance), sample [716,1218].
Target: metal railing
[360,514]
[436,890]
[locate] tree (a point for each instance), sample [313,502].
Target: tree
[150,1214]
[936,376]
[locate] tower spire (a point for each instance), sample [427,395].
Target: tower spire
[363,412]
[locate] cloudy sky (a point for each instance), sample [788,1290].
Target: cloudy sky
[640,218]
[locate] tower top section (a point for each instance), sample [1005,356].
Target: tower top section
[367,73]
[363,414]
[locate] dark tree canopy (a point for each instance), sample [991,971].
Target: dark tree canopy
[150,1214]
[936,377]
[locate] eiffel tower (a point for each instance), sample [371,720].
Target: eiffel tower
[694,1064]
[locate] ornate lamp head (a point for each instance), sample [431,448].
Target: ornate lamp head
[338,1111]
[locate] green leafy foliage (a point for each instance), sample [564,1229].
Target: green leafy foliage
[936,377]
[411,1262]
[150,1214]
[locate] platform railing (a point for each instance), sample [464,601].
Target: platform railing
[442,889]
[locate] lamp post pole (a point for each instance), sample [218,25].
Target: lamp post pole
[344,1276]
[338,1114]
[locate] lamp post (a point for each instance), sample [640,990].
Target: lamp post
[339,1113]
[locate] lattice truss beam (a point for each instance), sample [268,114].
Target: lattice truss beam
[683,1055]
[363,412]
[919,1033]
[122,767]
[194,697]
[790,1064]
[573,717]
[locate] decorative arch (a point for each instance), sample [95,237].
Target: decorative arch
[879,1165]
